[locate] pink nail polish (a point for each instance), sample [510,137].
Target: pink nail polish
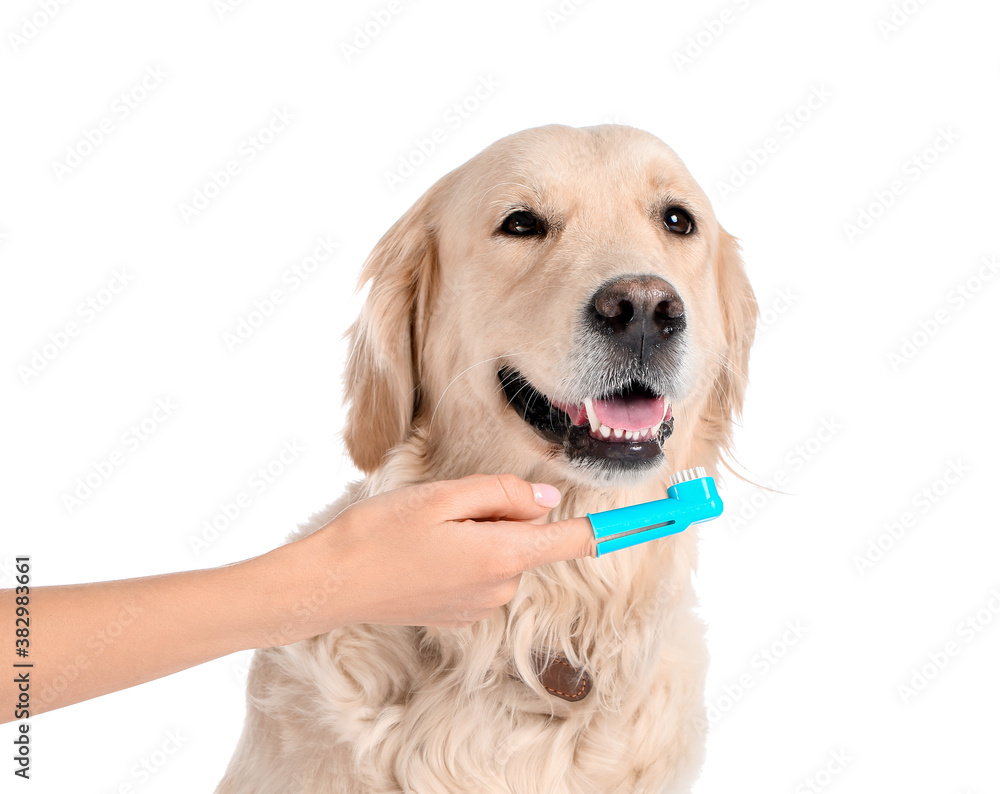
[545,495]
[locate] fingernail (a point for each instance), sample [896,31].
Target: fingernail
[545,495]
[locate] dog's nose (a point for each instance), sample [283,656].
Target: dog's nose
[639,312]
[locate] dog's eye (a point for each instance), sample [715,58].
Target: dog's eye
[522,224]
[678,221]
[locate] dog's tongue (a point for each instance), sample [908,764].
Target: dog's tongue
[630,413]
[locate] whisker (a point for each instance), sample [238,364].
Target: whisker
[504,355]
[452,383]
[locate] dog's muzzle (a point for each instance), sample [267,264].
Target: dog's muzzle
[623,430]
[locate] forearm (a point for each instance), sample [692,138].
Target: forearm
[438,554]
[88,640]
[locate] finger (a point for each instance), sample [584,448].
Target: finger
[569,539]
[500,496]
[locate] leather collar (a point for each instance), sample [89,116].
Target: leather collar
[562,679]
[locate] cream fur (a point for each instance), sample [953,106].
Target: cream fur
[404,709]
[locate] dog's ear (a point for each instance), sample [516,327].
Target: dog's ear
[739,324]
[382,378]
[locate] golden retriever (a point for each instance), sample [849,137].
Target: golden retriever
[564,307]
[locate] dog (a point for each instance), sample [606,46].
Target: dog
[564,307]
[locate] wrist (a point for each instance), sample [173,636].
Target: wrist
[296,593]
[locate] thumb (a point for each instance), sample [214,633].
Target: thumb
[569,539]
[501,496]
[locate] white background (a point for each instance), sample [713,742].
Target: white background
[853,408]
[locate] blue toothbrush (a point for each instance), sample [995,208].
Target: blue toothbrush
[691,499]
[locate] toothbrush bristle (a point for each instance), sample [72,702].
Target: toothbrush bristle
[687,474]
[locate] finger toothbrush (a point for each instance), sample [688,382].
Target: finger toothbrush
[691,499]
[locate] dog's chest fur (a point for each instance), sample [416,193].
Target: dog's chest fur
[454,710]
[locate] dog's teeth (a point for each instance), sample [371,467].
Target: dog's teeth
[621,434]
[595,423]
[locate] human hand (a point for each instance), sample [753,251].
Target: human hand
[440,554]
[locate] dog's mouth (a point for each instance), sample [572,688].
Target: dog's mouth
[626,429]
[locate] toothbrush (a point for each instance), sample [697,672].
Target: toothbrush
[691,499]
